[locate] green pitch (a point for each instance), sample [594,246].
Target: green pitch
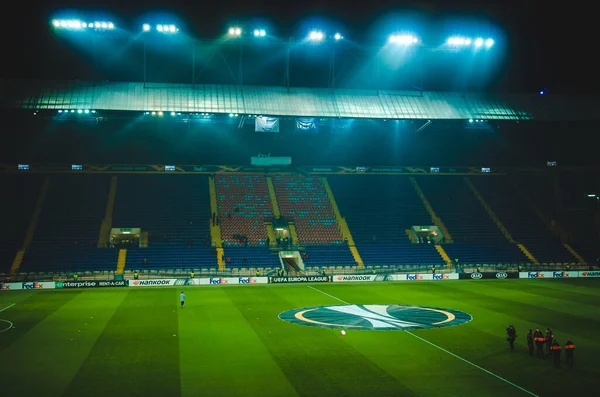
[229,341]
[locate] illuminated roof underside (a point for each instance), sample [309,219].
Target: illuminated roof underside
[278,101]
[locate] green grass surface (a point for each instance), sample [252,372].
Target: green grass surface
[228,341]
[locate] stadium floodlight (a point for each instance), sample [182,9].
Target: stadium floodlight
[338,36]
[459,41]
[146,27]
[235,31]
[403,39]
[173,113]
[160,113]
[316,35]
[489,43]
[76,24]
[259,33]
[167,28]
[86,111]
[478,42]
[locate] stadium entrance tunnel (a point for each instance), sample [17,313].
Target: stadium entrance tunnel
[375,317]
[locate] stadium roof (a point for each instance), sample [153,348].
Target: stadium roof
[279,101]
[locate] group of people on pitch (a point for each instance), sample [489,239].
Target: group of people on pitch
[545,345]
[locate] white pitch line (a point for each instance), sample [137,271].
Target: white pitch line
[7,307]
[444,350]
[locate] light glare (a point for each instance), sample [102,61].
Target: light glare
[233,31]
[403,39]
[316,35]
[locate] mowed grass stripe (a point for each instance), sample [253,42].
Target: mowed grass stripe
[414,362]
[31,307]
[43,361]
[558,289]
[554,316]
[136,354]
[585,304]
[220,353]
[525,293]
[318,362]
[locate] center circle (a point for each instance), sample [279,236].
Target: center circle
[375,317]
[10,325]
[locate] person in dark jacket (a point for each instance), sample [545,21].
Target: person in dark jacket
[569,353]
[539,339]
[511,335]
[530,342]
[549,339]
[555,349]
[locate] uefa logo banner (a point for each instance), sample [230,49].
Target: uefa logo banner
[375,317]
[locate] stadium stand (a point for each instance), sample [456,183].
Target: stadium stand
[319,256]
[244,206]
[303,199]
[172,258]
[476,238]
[251,257]
[175,211]
[521,221]
[378,210]
[68,226]
[566,202]
[18,202]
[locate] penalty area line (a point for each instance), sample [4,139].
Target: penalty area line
[7,307]
[444,350]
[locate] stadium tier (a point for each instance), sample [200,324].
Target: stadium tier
[250,257]
[488,221]
[244,206]
[476,238]
[174,210]
[379,209]
[520,220]
[304,200]
[68,226]
[19,198]
[580,220]
[336,257]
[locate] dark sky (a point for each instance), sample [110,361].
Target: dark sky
[547,44]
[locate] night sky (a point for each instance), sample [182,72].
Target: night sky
[544,46]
